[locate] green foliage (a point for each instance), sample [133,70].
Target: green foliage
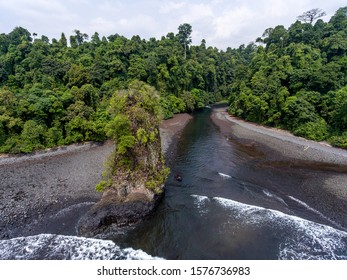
[184,35]
[154,182]
[298,111]
[297,80]
[32,137]
[142,136]
[292,77]
[153,135]
[124,143]
[102,185]
[317,130]
[339,141]
[188,100]
[118,126]
[134,128]
[54,136]
[339,109]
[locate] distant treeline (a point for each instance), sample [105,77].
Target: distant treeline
[56,92]
[297,79]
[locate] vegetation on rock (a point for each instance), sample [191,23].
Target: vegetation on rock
[138,162]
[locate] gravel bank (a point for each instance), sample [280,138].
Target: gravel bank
[35,186]
[171,128]
[45,192]
[284,150]
[285,143]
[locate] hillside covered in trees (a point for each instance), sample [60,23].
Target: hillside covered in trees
[297,79]
[58,91]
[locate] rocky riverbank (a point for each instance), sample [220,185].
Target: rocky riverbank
[48,191]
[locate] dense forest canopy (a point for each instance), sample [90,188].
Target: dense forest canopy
[297,79]
[56,92]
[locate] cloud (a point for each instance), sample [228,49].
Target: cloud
[222,23]
[109,7]
[38,16]
[102,26]
[232,21]
[241,22]
[33,10]
[196,12]
[143,25]
[170,7]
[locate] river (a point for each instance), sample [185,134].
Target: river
[228,206]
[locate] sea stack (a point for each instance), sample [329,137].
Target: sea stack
[135,173]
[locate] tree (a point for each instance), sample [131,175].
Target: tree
[339,110]
[184,36]
[18,35]
[339,20]
[96,39]
[78,39]
[32,136]
[311,15]
[137,68]
[63,40]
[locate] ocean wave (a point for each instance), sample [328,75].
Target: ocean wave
[315,211]
[276,197]
[298,238]
[200,202]
[59,247]
[224,175]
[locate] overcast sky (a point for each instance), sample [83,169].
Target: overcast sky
[222,23]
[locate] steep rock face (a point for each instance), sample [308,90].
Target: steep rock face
[135,173]
[111,214]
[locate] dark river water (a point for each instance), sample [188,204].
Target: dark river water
[227,206]
[230,207]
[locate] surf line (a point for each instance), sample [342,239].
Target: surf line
[224,175]
[316,212]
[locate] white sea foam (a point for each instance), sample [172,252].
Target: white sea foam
[267,193]
[301,239]
[50,246]
[315,211]
[308,240]
[200,198]
[200,202]
[276,197]
[224,175]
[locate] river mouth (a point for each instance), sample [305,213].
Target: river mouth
[231,205]
[235,201]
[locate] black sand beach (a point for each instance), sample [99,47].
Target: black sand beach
[37,189]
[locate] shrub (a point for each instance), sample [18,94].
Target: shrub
[317,130]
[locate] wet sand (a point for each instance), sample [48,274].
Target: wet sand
[35,187]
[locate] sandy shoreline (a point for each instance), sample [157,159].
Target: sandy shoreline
[33,188]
